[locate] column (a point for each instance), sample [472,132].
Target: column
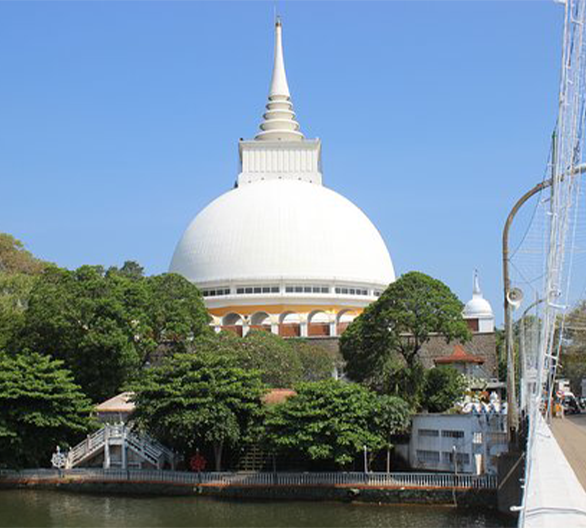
[123,447]
[107,447]
[333,328]
[303,325]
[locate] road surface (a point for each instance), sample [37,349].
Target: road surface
[570,433]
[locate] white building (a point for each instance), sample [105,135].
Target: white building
[280,251]
[473,439]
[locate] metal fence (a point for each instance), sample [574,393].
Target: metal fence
[391,480]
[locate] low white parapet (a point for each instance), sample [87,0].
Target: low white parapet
[553,495]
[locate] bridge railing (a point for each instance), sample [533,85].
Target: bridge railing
[394,480]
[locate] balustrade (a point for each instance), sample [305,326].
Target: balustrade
[396,480]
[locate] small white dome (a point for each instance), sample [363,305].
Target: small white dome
[478,306]
[282,229]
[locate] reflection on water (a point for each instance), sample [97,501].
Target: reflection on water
[61,509]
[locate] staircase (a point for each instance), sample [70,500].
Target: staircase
[85,450]
[254,459]
[121,435]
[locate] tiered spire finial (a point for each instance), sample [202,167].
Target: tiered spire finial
[476,292]
[279,119]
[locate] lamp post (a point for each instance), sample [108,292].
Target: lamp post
[512,411]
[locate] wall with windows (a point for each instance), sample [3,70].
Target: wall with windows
[296,308]
[463,443]
[287,288]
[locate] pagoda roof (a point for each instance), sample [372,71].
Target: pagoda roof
[459,355]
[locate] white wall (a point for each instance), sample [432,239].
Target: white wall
[477,438]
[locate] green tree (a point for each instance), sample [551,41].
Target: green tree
[15,259]
[444,386]
[15,290]
[18,271]
[106,325]
[573,367]
[130,269]
[282,363]
[327,420]
[573,353]
[40,408]
[393,417]
[317,363]
[278,360]
[391,331]
[175,311]
[273,356]
[199,399]
[221,343]
[90,322]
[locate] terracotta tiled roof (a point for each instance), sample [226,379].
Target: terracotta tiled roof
[275,396]
[459,355]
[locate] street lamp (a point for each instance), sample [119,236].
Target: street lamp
[512,411]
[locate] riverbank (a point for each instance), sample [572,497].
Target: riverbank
[395,488]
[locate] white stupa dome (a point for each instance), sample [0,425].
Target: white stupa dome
[477,307]
[283,230]
[281,252]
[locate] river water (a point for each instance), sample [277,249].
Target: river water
[39,508]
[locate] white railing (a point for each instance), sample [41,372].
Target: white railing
[147,447]
[142,446]
[88,446]
[375,480]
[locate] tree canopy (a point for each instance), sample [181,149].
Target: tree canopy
[273,356]
[40,408]
[175,310]
[193,400]
[443,387]
[282,363]
[18,272]
[105,325]
[573,359]
[331,420]
[15,259]
[317,363]
[384,341]
[393,416]
[15,289]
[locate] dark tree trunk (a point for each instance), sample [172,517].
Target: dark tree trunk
[218,455]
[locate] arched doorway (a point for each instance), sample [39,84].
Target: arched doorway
[233,322]
[290,324]
[343,319]
[318,324]
[260,321]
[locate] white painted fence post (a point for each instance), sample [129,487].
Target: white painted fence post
[107,447]
[123,447]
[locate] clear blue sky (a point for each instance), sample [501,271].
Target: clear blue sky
[119,121]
